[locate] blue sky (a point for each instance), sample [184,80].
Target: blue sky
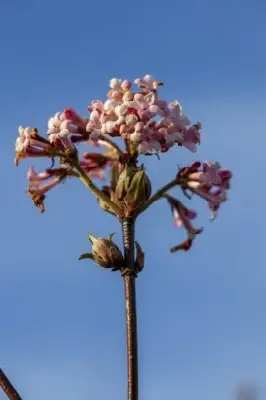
[202,328]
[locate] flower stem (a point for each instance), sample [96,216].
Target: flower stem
[129,276]
[157,196]
[97,192]
[8,388]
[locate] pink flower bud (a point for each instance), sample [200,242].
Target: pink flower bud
[138,97]
[94,116]
[131,119]
[125,85]
[139,126]
[123,129]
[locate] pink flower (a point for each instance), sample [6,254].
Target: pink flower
[183,216]
[30,144]
[179,221]
[208,181]
[35,178]
[94,164]
[59,131]
[75,118]
[191,138]
[126,85]
[41,183]
[210,175]
[176,116]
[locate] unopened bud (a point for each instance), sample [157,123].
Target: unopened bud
[133,187]
[104,252]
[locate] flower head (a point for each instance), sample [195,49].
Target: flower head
[208,181]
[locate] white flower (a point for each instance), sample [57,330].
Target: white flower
[19,146]
[54,124]
[115,83]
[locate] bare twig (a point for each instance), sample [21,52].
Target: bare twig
[8,388]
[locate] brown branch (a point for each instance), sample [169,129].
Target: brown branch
[129,275]
[8,388]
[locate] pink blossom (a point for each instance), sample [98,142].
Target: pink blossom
[124,108]
[30,144]
[189,214]
[208,181]
[191,138]
[126,85]
[35,178]
[182,217]
[177,117]
[75,118]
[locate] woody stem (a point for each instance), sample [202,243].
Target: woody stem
[129,276]
[8,388]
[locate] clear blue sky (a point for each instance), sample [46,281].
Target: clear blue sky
[202,327]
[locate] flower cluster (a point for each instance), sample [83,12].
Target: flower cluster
[209,182]
[140,117]
[147,125]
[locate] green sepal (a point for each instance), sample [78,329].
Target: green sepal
[86,255]
[91,238]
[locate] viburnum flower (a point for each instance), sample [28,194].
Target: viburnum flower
[147,125]
[30,144]
[132,122]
